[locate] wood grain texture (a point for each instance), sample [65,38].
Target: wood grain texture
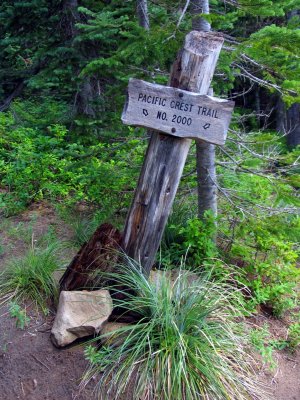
[166,155]
[100,253]
[177,112]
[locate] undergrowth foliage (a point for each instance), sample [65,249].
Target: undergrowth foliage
[43,163]
[187,343]
[261,252]
[251,233]
[15,311]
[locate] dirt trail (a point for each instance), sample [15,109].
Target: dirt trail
[31,368]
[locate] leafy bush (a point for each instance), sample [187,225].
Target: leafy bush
[187,343]
[258,225]
[15,311]
[294,335]
[199,238]
[260,339]
[39,163]
[260,245]
[192,239]
[268,260]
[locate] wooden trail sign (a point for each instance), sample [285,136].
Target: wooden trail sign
[177,112]
[166,154]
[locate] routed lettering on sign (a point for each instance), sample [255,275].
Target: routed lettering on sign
[177,112]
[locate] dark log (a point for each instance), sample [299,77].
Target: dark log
[21,84]
[101,253]
[96,258]
[16,92]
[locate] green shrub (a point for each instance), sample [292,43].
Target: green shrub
[268,255]
[192,239]
[199,238]
[45,163]
[294,335]
[260,339]
[186,344]
[15,311]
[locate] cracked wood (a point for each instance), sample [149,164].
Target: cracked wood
[166,155]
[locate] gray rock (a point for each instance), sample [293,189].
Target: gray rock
[156,276]
[109,335]
[80,314]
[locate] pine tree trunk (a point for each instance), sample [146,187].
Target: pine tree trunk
[200,7]
[280,116]
[206,174]
[293,125]
[257,105]
[206,170]
[88,90]
[142,14]
[293,113]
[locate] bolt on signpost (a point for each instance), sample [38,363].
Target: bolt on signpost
[175,115]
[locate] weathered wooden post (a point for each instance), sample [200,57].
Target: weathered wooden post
[177,116]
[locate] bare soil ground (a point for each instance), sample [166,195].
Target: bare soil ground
[31,368]
[284,380]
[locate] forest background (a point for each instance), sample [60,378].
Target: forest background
[64,69]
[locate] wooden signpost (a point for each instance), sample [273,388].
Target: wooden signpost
[177,112]
[175,117]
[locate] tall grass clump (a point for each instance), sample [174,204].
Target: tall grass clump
[30,277]
[188,343]
[82,228]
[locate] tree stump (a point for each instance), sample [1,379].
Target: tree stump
[100,253]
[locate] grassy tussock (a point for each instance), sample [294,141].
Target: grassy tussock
[30,277]
[187,345]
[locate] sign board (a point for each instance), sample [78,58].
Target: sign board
[177,112]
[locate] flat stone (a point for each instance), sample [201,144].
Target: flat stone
[80,314]
[108,333]
[157,275]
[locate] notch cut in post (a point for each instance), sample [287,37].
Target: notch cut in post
[166,155]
